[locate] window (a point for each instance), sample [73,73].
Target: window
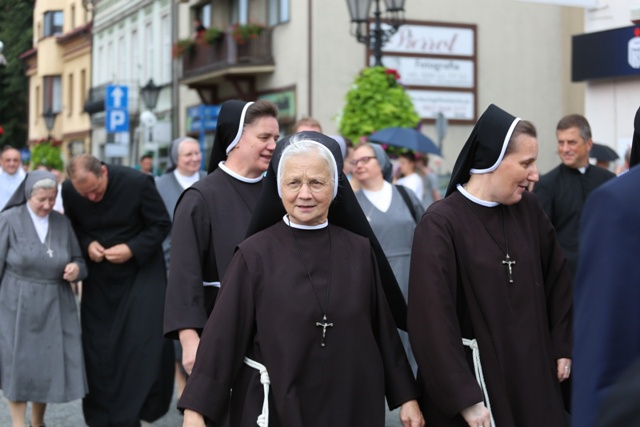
[134,57]
[278,12]
[38,110]
[73,17]
[53,21]
[203,13]
[148,60]
[109,62]
[165,53]
[122,62]
[239,11]
[83,86]
[70,95]
[52,91]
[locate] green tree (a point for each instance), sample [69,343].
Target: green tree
[376,101]
[16,28]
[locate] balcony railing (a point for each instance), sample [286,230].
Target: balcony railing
[225,53]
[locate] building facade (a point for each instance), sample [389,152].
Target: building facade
[131,47]
[512,53]
[612,95]
[59,71]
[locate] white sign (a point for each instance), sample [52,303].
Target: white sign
[454,105]
[115,150]
[432,40]
[436,72]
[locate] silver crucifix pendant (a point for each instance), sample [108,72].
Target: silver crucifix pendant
[324,325]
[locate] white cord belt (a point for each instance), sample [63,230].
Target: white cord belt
[263,418]
[477,366]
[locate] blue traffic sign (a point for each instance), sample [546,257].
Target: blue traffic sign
[117,96]
[117,120]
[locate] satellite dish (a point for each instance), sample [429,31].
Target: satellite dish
[148,119]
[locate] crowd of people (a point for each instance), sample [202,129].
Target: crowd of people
[308,281]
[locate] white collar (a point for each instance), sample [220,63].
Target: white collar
[40,223]
[239,177]
[476,200]
[287,221]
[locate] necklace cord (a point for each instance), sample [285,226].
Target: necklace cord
[324,310]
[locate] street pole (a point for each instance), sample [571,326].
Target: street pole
[377,34]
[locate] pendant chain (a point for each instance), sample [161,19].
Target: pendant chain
[324,310]
[508,262]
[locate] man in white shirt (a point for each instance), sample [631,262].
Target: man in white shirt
[12,174]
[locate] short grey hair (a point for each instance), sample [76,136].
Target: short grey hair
[298,145]
[45,184]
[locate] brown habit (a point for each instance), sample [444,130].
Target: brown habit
[458,287]
[269,312]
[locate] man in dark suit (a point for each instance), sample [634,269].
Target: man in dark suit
[606,298]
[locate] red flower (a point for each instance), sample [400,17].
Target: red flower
[1,130]
[393,73]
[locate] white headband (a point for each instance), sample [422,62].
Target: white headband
[240,127]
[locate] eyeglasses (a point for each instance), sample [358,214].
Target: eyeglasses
[364,160]
[314,185]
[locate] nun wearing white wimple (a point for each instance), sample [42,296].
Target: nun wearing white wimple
[41,357]
[309,337]
[489,292]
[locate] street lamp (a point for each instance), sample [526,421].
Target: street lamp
[49,120]
[359,11]
[150,93]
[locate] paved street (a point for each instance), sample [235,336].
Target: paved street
[70,415]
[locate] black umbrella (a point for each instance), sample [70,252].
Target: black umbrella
[603,152]
[409,138]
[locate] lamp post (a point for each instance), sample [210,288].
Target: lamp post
[359,11]
[150,93]
[49,120]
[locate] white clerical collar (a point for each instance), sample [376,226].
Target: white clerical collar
[239,177]
[583,170]
[287,221]
[40,223]
[186,181]
[474,199]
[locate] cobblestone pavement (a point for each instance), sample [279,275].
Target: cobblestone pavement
[70,415]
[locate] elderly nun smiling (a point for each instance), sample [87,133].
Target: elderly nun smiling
[305,311]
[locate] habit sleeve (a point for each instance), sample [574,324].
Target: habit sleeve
[222,349]
[400,385]
[557,283]
[185,303]
[434,329]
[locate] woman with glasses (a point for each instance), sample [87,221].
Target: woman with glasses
[392,212]
[304,311]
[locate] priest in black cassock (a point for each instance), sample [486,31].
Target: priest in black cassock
[303,311]
[121,221]
[563,191]
[489,290]
[212,217]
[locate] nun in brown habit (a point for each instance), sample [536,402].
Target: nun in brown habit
[309,338]
[490,297]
